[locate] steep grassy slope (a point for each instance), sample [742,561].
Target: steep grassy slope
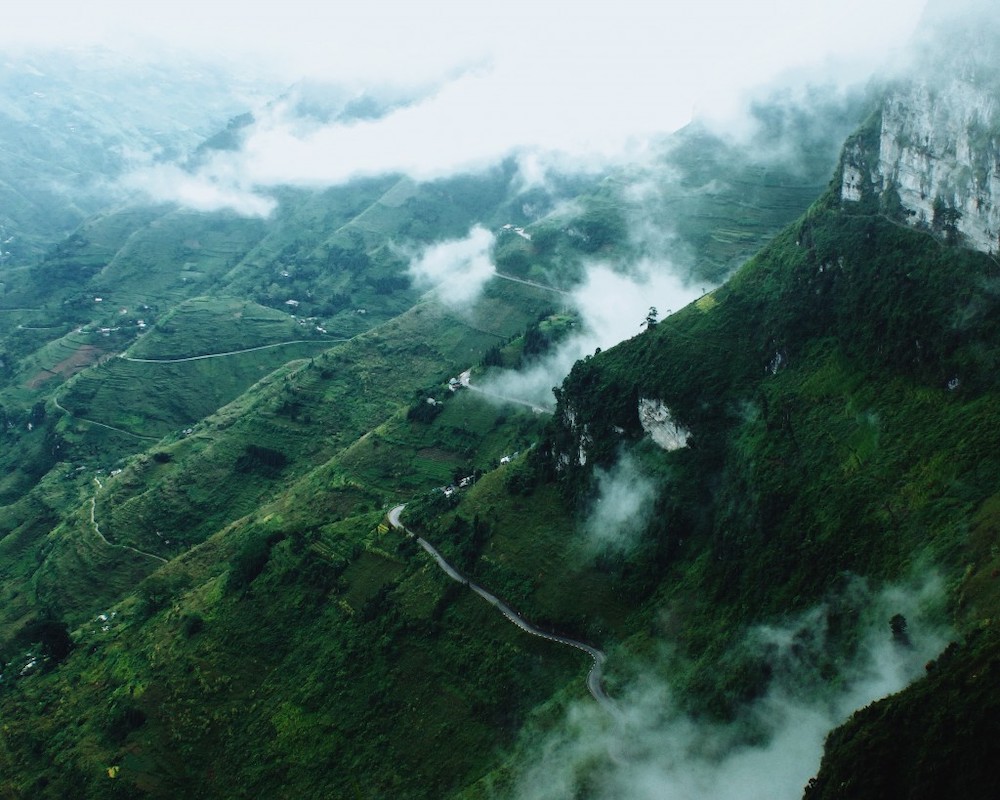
[302,592]
[291,644]
[841,398]
[343,393]
[323,650]
[819,358]
[200,479]
[330,258]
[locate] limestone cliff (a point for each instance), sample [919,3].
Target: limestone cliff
[933,154]
[938,150]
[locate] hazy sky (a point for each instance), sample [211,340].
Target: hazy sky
[679,51]
[588,80]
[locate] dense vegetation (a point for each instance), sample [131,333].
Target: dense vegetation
[199,593]
[842,399]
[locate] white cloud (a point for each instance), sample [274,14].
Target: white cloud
[169,184]
[551,81]
[605,44]
[457,269]
[651,750]
[612,305]
[622,507]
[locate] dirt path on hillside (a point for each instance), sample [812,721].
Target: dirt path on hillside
[68,413]
[97,528]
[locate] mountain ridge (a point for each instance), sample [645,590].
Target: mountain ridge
[832,408]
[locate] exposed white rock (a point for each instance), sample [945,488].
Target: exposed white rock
[851,185]
[658,422]
[582,434]
[937,145]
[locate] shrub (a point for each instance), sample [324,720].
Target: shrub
[191,625]
[260,460]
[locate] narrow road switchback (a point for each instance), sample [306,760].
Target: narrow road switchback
[594,684]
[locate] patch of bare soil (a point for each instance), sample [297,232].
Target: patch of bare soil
[80,359]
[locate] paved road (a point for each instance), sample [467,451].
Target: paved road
[593,677]
[530,283]
[55,400]
[228,352]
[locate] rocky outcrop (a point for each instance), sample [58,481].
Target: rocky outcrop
[658,423]
[934,160]
[580,433]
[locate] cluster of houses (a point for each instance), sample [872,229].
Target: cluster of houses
[107,331]
[467,481]
[305,322]
[464,483]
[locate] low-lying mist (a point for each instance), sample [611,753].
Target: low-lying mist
[771,748]
[457,269]
[621,508]
[503,95]
[612,305]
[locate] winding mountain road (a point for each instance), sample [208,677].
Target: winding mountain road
[123,357]
[594,685]
[534,285]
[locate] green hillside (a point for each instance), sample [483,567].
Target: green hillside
[841,397]
[201,593]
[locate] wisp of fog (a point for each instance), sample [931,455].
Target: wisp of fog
[621,508]
[652,750]
[457,269]
[612,304]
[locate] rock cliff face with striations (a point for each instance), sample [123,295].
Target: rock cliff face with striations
[938,151]
[933,154]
